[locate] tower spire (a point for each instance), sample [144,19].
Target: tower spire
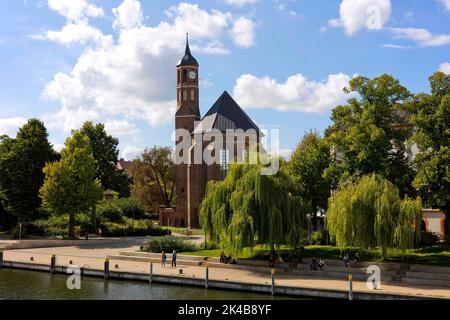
[188,50]
[188,59]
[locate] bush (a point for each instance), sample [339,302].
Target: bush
[16,230]
[428,239]
[167,244]
[318,238]
[110,211]
[132,208]
[130,228]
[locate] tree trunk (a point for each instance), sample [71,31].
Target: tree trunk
[94,219]
[72,226]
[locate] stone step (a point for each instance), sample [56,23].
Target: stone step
[428,275]
[339,274]
[429,269]
[426,282]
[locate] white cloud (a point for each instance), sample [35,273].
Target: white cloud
[76,10]
[394,46]
[131,152]
[240,3]
[128,15]
[422,36]
[362,14]
[445,67]
[127,78]
[77,29]
[446,4]
[79,33]
[296,94]
[122,128]
[243,32]
[10,126]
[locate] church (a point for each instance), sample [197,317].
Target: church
[225,117]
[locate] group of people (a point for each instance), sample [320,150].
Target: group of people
[274,259]
[346,259]
[164,259]
[317,264]
[225,259]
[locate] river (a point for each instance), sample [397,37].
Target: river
[31,285]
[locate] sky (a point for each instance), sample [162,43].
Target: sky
[285,62]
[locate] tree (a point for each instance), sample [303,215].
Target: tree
[154,177]
[70,185]
[370,132]
[248,207]
[369,212]
[21,162]
[106,154]
[307,167]
[430,115]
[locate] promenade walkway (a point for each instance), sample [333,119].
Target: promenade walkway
[93,257]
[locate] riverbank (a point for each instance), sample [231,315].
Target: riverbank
[91,260]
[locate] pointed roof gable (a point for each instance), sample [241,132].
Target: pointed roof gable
[226,114]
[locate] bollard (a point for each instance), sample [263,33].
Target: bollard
[107,269]
[53,264]
[207,276]
[350,287]
[273,282]
[1,259]
[151,273]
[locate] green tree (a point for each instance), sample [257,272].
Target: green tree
[154,177]
[307,167]
[248,207]
[430,115]
[369,133]
[21,176]
[106,154]
[70,185]
[369,212]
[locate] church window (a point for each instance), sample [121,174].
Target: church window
[184,95]
[192,95]
[179,77]
[224,161]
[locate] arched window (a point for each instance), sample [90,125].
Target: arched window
[179,77]
[184,76]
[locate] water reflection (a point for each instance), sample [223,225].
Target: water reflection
[29,285]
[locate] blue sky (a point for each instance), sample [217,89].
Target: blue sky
[284,61]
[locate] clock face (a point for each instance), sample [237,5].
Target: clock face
[192,75]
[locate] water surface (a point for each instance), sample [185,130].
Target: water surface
[31,285]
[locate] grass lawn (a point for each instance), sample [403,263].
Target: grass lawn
[438,255]
[195,232]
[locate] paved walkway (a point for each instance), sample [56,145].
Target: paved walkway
[94,257]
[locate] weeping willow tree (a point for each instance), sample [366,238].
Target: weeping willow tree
[407,232]
[370,213]
[247,207]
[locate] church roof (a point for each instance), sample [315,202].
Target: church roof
[188,59]
[226,114]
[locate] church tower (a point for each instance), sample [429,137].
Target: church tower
[188,112]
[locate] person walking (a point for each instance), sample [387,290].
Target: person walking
[174,258]
[163,259]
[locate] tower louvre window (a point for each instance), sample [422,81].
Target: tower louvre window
[184,76]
